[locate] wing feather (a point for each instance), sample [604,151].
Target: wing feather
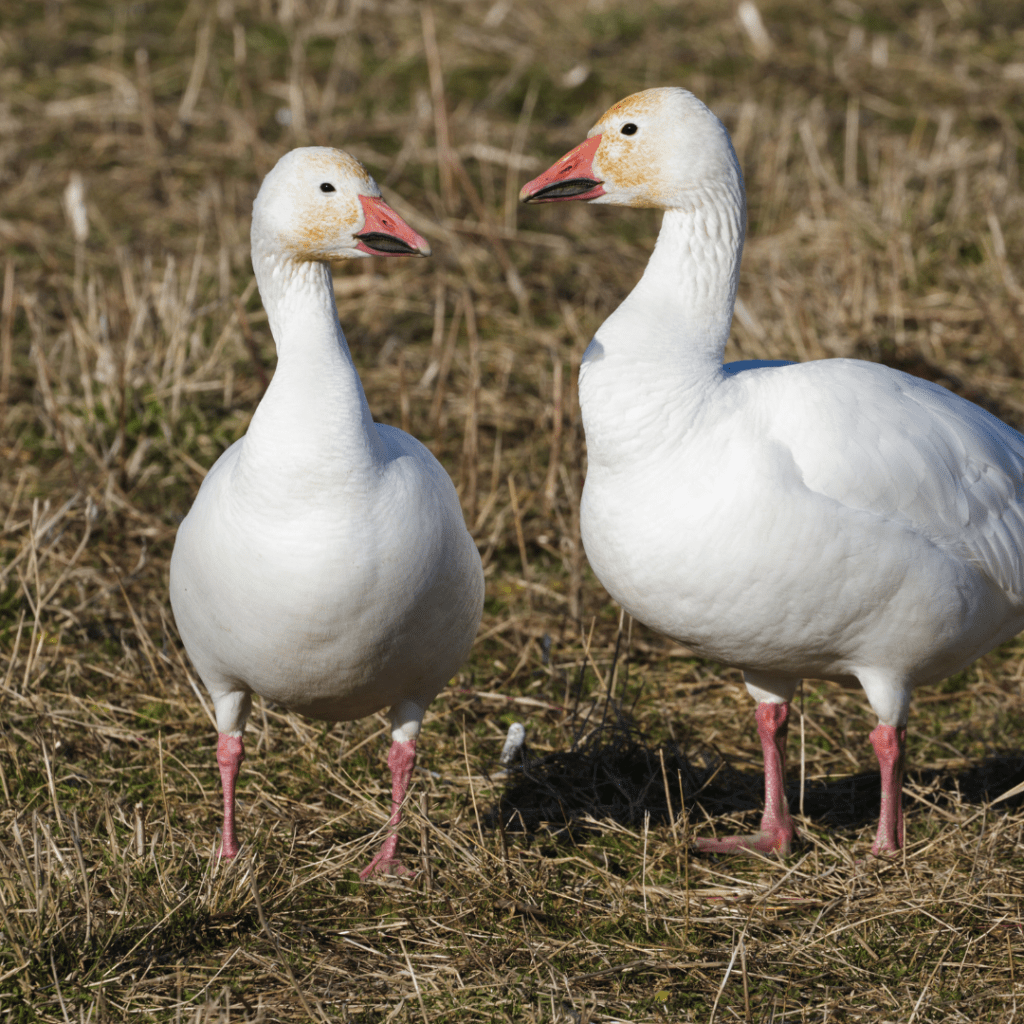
[883,442]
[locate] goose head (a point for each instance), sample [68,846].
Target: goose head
[658,148]
[319,204]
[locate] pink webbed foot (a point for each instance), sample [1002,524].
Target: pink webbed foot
[230,754]
[401,759]
[386,863]
[890,743]
[765,841]
[777,829]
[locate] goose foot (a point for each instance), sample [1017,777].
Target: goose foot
[401,760]
[890,743]
[766,841]
[230,754]
[386,863]
[777,828]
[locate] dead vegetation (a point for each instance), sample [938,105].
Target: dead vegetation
[881,145]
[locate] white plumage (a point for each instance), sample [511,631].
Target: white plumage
[514,741]
[836,519]
[325,564]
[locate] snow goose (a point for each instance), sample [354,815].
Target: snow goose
[835,519]
[325,564]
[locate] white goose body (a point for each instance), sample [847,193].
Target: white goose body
[835,519]
[325,564]
[763,543]
[322,571]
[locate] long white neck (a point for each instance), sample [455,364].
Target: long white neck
[314,422]
[662,348]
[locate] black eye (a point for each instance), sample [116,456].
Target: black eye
[328,187]
[629,129]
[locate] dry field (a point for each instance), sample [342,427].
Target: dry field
[881,143]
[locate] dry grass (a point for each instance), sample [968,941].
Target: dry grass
[881,144]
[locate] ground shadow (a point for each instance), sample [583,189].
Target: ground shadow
[613,772]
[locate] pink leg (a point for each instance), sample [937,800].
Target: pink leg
[890,743]
[230,753]
[777,829]
[401,759]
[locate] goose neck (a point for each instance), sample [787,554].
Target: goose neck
[315,407]
[684,302]
[298,296]
[657,359]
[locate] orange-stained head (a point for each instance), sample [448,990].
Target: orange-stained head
[657,148]
[319,204]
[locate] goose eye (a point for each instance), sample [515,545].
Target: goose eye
[629,129]
[327,187]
